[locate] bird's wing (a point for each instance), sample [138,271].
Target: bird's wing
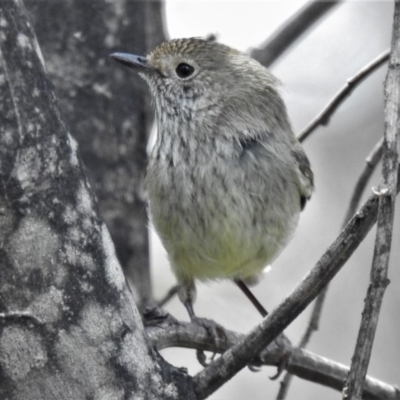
[304,174]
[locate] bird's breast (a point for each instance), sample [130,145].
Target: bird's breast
[216,216]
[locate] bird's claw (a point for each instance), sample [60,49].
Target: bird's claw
[283,362]
[254,368]
[156,316]
[214,331]
[202,358]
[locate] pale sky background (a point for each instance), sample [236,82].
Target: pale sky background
[311,72]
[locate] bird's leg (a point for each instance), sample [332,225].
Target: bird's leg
[187,295]
[244,288]
[260,308]
[171,293]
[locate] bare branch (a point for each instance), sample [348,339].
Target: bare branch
[387,200]
[323,117]
[237,357]
[284,385]
[312,327]
[291,30]
[334,372]
[169,332]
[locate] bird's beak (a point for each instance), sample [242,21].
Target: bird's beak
[138,63]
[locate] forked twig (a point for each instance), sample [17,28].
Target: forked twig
[323,117]
[370,164]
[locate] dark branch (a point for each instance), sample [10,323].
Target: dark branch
[324,116]
[387,200]
[291,30]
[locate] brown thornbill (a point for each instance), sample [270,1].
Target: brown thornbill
[227,178]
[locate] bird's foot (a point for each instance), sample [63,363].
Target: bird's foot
[283,362]
[157,316]
[215,331]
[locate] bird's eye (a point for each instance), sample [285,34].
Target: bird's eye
[184,70]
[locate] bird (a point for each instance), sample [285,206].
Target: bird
[227,178]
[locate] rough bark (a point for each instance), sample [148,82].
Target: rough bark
[69,328]
[107,108]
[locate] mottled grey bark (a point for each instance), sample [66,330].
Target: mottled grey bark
[107,108]
[69,328]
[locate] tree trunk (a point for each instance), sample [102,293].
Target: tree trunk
[69,328]
[107,108]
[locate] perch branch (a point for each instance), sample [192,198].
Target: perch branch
[169,332]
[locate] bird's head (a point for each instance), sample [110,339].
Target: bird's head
[195,74]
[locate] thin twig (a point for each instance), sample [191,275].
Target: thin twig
[370,163]
[387,200]
[291,30]
[312,327]
[284,385]
[168,332]
[323,117]
[238,356]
